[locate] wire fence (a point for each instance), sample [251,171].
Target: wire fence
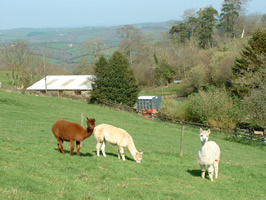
[17,119]
[236,132]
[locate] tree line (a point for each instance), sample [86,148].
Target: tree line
[25,67]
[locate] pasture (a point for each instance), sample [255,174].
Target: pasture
[161,91]
[32,168]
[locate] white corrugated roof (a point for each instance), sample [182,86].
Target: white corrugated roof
[146,97]
[64,82]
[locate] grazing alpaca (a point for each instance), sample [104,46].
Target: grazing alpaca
[70,131]
[117,136]
[208,155]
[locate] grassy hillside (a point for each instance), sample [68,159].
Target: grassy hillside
[32,168]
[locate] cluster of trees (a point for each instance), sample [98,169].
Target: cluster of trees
[26,68]
[228,90]
[223,89]
[201,25]
[115,81]
[189,45]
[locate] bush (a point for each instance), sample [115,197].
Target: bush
[254,105]
[164,74]
[214,107]
[173,109]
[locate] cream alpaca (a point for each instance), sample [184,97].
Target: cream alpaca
[116,136]
[208,155]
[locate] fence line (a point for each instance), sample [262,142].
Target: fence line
[28,125]
[232,132]
[237,132]
[246,133]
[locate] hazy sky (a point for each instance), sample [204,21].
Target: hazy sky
[74,13]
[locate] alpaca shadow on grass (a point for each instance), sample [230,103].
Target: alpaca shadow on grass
[195,172]
[115,155]
[75,153]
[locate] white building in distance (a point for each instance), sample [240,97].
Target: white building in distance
[69,83]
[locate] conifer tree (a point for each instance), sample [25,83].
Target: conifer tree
[100,85]
[249,70]
[201,27]
[181,31]
[115,81]
[206,26]
[228,16]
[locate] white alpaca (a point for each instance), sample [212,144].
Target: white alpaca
[116,136]
[208,155]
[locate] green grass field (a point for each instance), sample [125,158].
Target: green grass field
[32,168]
[5,79]
[170,90]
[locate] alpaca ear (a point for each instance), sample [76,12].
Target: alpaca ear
[141,153]
[209,131]
[87,118]
[200,130]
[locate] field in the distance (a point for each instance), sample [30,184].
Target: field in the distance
[32,168]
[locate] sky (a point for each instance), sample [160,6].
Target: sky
[78,13]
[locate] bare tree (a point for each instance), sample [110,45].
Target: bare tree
[131,41]
[83,67]
[25,67]
[15,56]
[94,47]
[188,13]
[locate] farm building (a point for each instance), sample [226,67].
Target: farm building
[73,84]
[148,106]
[149,102]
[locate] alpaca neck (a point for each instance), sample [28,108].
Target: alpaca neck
[87,132]
[204,148]
[131,147]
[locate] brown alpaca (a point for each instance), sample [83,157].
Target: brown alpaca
[70,132]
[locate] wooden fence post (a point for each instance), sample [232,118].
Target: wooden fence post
[182,140]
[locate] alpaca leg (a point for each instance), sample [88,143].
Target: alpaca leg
[78,147]
[203,169]
[121,150]
[210,171]
[119,156]
[103,149]
[71,147]
[98,146]
[60,145]
[216,168]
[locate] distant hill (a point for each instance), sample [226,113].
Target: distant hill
[64,44]
[80,34]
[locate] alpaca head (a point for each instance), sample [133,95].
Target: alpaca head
[204,135]
[138,157]
[90,123]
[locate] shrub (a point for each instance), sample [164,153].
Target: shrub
[173,109]
[164,74]
[254,105]
[196,79]
[213,106]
